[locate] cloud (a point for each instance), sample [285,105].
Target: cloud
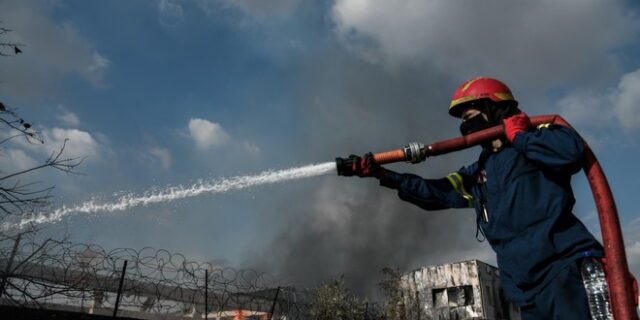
[14,160]
[251,148]
[265,8]
[68,118]
[170,13]
[633,250]
[632,239]
[540,42]
[163,155]
[80,143]
[256,9]
[207,134]
[627,101]
[615,107]
[96,69]
[584,107]
[53,50]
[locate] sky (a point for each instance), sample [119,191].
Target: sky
[159,93]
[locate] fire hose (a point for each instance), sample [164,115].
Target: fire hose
[617,275]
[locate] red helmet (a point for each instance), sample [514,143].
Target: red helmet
[477,89]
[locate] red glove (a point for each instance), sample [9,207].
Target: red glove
[516,124]
[367,167]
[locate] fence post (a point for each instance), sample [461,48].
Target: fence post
[273,306]
[206,294]
[124,270]
[366,311]
[5,275]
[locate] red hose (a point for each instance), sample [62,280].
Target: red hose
[618,276]
[389,156]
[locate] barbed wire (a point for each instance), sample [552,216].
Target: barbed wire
[85,277]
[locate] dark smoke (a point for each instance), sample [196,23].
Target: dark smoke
[351,226]
[349,104]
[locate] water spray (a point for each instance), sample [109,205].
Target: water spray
[168,194]
[618,279]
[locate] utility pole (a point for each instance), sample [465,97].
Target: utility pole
[206,294]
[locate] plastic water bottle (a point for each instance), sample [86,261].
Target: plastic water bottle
[595,284]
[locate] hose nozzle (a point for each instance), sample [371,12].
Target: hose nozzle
[414,152]
[345,165]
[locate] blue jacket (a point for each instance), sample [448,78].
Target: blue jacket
[523,200]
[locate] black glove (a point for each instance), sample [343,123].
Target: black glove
[364,166]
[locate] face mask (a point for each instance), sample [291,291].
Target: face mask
[474,124]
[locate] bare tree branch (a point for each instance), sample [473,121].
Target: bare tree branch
[23,197]
[15,196]
[9,44]
[54,161]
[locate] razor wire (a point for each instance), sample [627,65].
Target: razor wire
[85,278]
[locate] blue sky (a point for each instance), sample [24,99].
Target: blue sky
[167,92]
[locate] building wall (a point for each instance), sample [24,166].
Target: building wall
[495,305]
[462,290]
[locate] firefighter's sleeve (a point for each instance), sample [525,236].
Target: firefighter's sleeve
[429,194]
[552,145]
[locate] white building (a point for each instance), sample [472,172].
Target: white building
[462,290]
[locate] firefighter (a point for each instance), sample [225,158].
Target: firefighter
[521,191]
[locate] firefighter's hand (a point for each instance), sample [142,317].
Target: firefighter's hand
[516,124]
[366,166]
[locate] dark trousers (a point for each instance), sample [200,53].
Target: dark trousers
[564,298]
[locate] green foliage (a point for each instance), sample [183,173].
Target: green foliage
[333,301]
[390,286]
